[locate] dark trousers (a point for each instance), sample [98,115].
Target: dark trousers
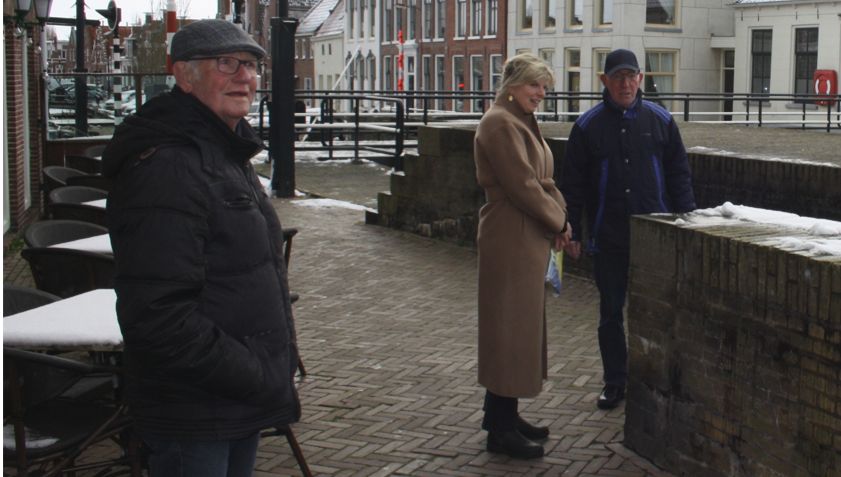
[610,269]
[500,412]
[192,458]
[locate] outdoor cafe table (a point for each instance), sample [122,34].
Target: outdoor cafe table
[97,243]
[81,322]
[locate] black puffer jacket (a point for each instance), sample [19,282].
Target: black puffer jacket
[202,294]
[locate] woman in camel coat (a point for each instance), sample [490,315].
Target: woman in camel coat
[524,217]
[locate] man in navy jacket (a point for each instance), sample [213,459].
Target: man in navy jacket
[624,157]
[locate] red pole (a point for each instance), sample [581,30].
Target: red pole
[171,28]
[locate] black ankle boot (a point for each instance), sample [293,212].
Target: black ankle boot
[530,431]
[513,444]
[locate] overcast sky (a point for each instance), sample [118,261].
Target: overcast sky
[132,11]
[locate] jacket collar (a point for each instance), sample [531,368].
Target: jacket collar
[630,112]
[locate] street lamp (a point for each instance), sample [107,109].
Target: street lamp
[42,10]
[21,10]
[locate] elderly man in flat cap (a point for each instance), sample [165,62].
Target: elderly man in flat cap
[202,294]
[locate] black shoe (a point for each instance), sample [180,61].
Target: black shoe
[530,431]
[610,396]
[513,444]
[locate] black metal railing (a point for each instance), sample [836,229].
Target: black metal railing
[382,123]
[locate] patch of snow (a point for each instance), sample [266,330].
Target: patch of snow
[326,203]
[816,237]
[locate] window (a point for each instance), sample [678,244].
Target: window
[329,48]
[320,81]
[496,72]
[427,31]
[604,12]
[548,55]
[573,69]
[371,18]
[805,59]
[661,12]
[372,72]
[398,20]
[410,73]
[458,81]
[599,57]
[548,13]
[440,18]
[660,75]
[760,49]
[524,13]
[388,17]
[388,75]
[575,13]
[350,6]
[493,17]
[439,79]
[322,49]
[477,83]
[461,18]
[363,14]
[411,10]
[476,17]
[426,73]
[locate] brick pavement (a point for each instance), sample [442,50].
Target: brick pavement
[387,331]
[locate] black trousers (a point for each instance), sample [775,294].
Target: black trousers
[500,412]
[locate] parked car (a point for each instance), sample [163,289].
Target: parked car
[128,102]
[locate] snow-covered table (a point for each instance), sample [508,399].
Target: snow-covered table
[96,203]
[87,321]
[97,243]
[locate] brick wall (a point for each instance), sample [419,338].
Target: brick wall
[20,215]
[735,353]
[438,196]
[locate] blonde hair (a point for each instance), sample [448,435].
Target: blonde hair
[524,69]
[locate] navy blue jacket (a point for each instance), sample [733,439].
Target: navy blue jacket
[623,162]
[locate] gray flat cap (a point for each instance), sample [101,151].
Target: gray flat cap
[210,38]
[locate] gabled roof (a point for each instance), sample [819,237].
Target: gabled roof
[335,22]
[315,17]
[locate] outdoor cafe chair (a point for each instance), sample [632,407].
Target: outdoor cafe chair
[47,430]
[66,272]
[18,299]
[286,431]
[77,194]
[288,234]
[80,212]
[94,151]
[45,233]
[53,177]
[83,163]
[93,180]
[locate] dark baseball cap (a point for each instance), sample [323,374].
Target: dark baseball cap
[211,38]
[620,60]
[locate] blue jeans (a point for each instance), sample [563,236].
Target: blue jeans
[610,269]
[194,458]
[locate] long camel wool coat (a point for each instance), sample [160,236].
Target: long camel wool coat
[524,211]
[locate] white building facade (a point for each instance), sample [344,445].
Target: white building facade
[781,44]
[671,38]
[362,45]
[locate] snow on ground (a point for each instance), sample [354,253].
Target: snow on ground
[326,203]
[815,237]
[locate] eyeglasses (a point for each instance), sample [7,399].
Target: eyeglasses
[621,77]
[230,65]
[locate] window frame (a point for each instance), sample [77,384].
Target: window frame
[651,73]
[599,14]
[457,101]
[765,56]
[492,19]
[525,16]
[811,58]
[675,16]
[570,14]
[476,105]
[548,10]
